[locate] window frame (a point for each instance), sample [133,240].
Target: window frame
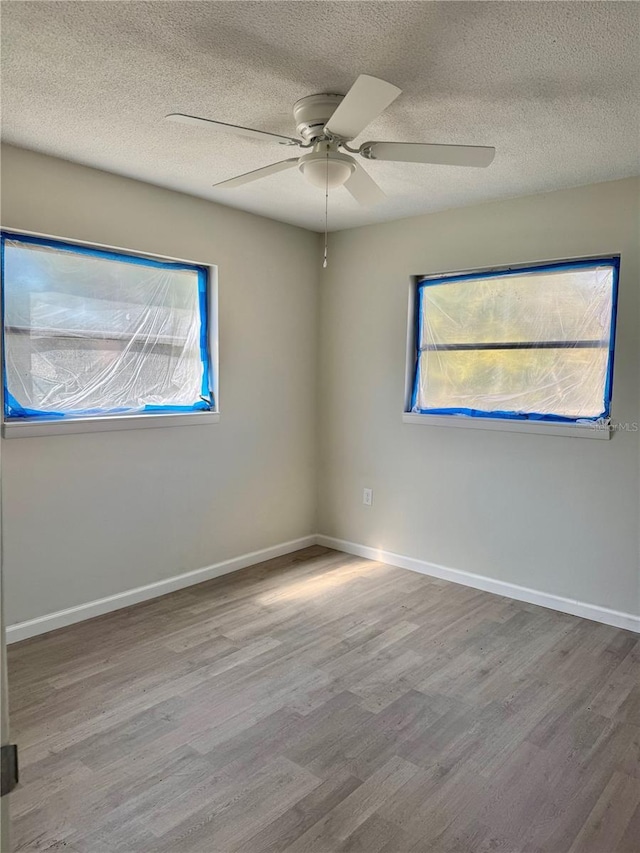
[547,424]
[41,426]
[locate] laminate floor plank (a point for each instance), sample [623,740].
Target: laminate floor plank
[325,703]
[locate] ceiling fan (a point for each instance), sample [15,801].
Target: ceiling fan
[327,123]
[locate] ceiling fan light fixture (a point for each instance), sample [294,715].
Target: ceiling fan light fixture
[325,171]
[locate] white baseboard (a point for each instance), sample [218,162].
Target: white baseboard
[33,627]
[594,612]
[23,630]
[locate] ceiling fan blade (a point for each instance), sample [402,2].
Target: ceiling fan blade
[363,188]
[264,172]
[233,128]
[363,103]
[423,152]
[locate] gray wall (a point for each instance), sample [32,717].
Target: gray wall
[557,514]
[90,515]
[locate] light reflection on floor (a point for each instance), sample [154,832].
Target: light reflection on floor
[319,584]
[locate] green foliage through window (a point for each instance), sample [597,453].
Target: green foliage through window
[534,343]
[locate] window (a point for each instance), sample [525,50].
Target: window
[96,332]
[524,344]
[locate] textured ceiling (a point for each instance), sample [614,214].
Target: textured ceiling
[555,87]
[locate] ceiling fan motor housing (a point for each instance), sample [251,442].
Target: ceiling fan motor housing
[313,112]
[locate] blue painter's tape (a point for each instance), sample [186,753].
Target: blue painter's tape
[105,254]
[504,415]
[200,406]
[551,267]
[203,301]
[13,409]
[613,262]
[608,389]
[4,352]
[418,334]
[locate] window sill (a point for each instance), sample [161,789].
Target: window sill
[586,430]
[26,428]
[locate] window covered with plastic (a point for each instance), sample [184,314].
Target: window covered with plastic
[533,343]
[91,332]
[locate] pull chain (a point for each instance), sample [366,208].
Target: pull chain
[326,215]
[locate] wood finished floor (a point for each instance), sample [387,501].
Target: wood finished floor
[320,702]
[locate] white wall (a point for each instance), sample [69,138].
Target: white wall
[557,514]
[87,516]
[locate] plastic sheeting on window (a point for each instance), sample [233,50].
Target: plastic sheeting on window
[533,343]
[91,332]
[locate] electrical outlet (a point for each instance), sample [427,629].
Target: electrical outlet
[367,497]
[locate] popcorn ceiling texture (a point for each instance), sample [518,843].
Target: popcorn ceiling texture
[554,86]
